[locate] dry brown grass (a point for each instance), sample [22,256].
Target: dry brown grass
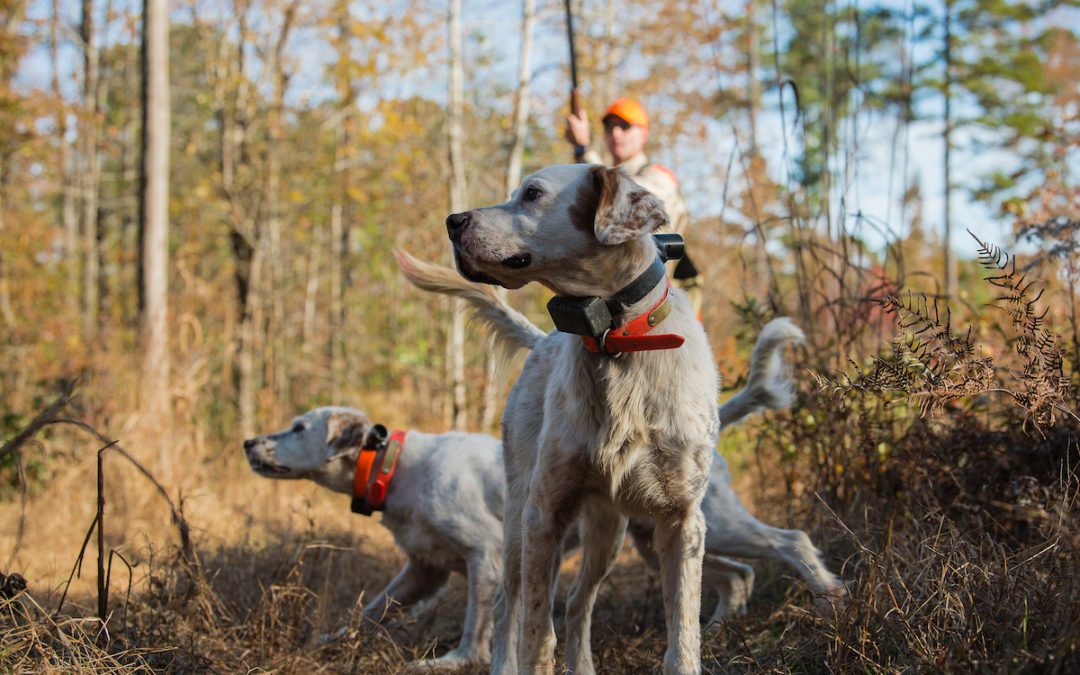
[943,576]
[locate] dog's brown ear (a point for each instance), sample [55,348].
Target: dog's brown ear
[346,430]
[624,209]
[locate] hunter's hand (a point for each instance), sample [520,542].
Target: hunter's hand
[577,129]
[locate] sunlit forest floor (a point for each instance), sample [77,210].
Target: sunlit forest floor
[936,583]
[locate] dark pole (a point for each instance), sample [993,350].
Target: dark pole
[575,96]
[102,591]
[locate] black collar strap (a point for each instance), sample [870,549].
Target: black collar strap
[637,289]
[593,317]
[669,246]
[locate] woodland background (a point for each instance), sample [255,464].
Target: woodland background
[199,202]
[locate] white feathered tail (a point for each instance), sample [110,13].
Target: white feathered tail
[767,386]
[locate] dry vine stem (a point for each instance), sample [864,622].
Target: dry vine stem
[52,415]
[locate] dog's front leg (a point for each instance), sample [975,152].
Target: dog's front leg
[508,599]
[602,531]
[413,583]
[483,568]
[553,495]
[733,582]
[680,544]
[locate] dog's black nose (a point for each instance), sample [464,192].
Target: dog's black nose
[456,224]
[249,443]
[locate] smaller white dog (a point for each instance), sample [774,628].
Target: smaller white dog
[445,505]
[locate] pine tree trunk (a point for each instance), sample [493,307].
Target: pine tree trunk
[7,313]
[275,262]
[10,26]
[68,215]
[458,200]
[339,211]
[311,290]
[103,218]
[250,324]
[154,213]
[131,232]
[131,158]
[827,120]
[753,68]
[245,233]
[946,244]
[610,52]
[756,163]
[336,323]
[89,175]
[521,100]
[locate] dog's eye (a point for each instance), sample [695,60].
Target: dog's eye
[298,427]
[532,193]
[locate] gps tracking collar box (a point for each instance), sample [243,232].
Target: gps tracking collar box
[670,246]
[593,316]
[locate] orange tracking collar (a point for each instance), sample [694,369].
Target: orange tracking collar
[374,470]
[633,336]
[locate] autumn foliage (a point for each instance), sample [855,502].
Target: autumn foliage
[933,451]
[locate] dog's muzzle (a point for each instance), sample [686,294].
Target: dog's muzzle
[469,273]
[259,463]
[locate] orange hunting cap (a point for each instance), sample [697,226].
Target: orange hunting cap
[629,110]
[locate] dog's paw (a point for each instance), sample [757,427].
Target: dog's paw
[832,600]
[725,609]
[449,662]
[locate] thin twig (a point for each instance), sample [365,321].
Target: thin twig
[77,567]
[131,577]
[23,496]
[102,582]
[44,417]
